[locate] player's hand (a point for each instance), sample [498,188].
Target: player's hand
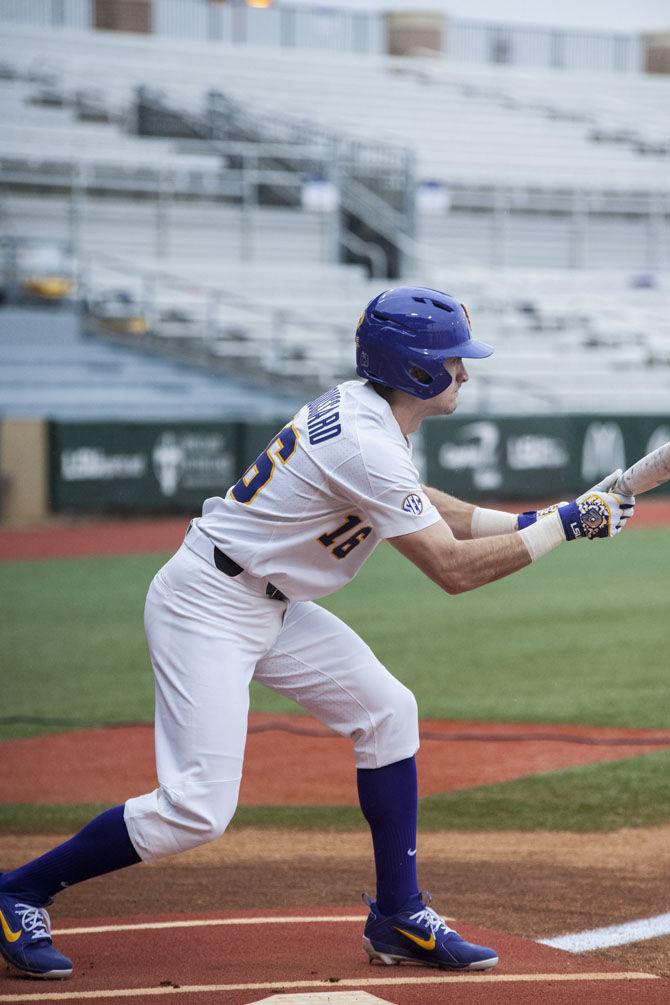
[626,502]
[599,512]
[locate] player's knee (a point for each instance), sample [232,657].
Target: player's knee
[213,830]
[207,823]
[394,729]
[405,724]
[166,822]
[407,705]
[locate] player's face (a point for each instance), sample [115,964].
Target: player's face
[447,401]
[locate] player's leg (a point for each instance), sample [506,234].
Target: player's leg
[205,633]
[25,934]
[322,664]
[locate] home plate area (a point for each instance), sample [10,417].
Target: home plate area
[311,958]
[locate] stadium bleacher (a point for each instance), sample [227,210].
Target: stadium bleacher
[48,369]
[567,341]
[194,236]
[496,116]
[558,198]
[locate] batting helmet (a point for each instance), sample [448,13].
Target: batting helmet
[404,336]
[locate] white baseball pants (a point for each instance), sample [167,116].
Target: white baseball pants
[208,636]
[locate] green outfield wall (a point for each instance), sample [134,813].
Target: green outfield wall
[167,467]
[139,467]
[534,457]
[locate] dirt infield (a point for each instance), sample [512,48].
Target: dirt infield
[313,766]
[78,538]
[503,890]
[209,919]
[245,957]
[522,886]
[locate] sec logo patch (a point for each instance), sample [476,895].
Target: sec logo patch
[412,504]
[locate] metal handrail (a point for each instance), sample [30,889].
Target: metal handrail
[306,131]
[347,154]
[160,275]
[379,259]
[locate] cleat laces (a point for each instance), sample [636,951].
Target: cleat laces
[427,916]
[34,921]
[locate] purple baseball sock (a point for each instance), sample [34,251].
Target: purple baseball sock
[389,798]
[101,846]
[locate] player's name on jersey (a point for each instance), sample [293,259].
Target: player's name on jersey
[323,421]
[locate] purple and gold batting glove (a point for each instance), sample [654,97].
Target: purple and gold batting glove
[598,512]
[533,515]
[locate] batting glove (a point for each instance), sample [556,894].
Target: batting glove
[598,512]
[533,515]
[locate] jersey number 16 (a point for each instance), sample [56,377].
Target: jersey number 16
[343,549]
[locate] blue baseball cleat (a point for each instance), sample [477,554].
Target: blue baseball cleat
[416,934]
[25,940]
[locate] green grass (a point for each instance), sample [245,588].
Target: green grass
[36,818]
[73,644]
[630,793]
[596,797]
[580,637]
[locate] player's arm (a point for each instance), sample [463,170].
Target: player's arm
[461,565]
[467,521]
[458,566]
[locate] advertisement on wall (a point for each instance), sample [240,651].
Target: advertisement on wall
[534,457]
[140,467]
[172,467]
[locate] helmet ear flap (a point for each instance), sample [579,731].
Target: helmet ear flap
[423,379]
[418,374]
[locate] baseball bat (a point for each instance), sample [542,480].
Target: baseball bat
[651,470]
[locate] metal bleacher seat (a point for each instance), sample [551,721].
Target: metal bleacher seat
[81,378]
[261,282]
[519,124]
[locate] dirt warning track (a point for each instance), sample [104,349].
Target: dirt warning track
[313,765]
[243,958]
[61,539]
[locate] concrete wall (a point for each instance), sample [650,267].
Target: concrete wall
[24,471]
[414,32]
[657,52]
[123,15]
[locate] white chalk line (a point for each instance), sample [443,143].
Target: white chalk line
[207,922]
[611,935]
[382,982]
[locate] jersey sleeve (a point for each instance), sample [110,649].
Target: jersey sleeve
[383,482]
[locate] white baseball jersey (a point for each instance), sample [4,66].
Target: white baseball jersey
[304,517]
[315,504]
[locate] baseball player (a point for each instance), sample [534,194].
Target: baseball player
[236,603]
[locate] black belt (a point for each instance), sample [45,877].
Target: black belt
[227,565]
